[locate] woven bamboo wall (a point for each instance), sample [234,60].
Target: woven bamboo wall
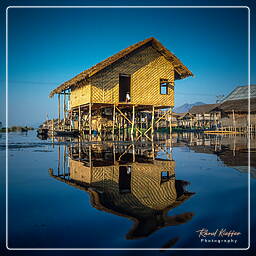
[146,187]
[80,96]
[146,67]
[80,172]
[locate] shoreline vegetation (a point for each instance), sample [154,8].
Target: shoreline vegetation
[16,129]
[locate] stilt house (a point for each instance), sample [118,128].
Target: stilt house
[140,77]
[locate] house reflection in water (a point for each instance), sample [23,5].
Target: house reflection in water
[232,150]
[129,181]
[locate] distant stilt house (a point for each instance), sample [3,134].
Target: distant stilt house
[234,110]
[185,120]
[203,117]
[234,115]
[116,91]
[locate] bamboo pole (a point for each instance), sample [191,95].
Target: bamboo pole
[133,119]
[64,109]
[170,122]
[58,111]
[152,119]
[114,120]
[127,118]
[90,120]
[52,126]
[158,121]
[79,118]
[70,120]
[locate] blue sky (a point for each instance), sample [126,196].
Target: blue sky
[50,46]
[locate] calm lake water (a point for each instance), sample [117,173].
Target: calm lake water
[128,195]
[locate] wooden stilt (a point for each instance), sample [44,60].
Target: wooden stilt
[90,155]
[58,159]
[114,120]
[152,119]
[52,127]
[64,110]
[90,119]
[133,153]
[133,119]
[59,111]
[70,120]
[119,127]
[79,118]
[127,119]
[170,122]
[165,115]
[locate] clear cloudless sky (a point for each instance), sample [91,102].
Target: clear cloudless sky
[49,46]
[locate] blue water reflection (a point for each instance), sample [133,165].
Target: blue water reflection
[128,195]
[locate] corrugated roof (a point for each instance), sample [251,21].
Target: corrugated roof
[241,92]
[181,70]
[201,109]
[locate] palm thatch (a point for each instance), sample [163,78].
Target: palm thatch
[181,71]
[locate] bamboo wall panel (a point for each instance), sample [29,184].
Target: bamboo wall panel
[146,67]
[147,191]
[80,172]
[80,95]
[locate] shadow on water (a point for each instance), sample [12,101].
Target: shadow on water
[127,180]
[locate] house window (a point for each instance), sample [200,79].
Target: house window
[164,84]
[166,175]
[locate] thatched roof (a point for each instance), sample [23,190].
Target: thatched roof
[202,109]
[181,71]
[237,105]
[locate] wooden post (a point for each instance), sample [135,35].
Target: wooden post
[234,120]
[152,119]
[58,111]
[133,119]
[114,120]
[52,127]
[90,156]
[133,153]
[170,123]
[141,126]
[119,127]
[79,118]
[70,120]
[157,125]
[64,109]
[58,159]
[90,119]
